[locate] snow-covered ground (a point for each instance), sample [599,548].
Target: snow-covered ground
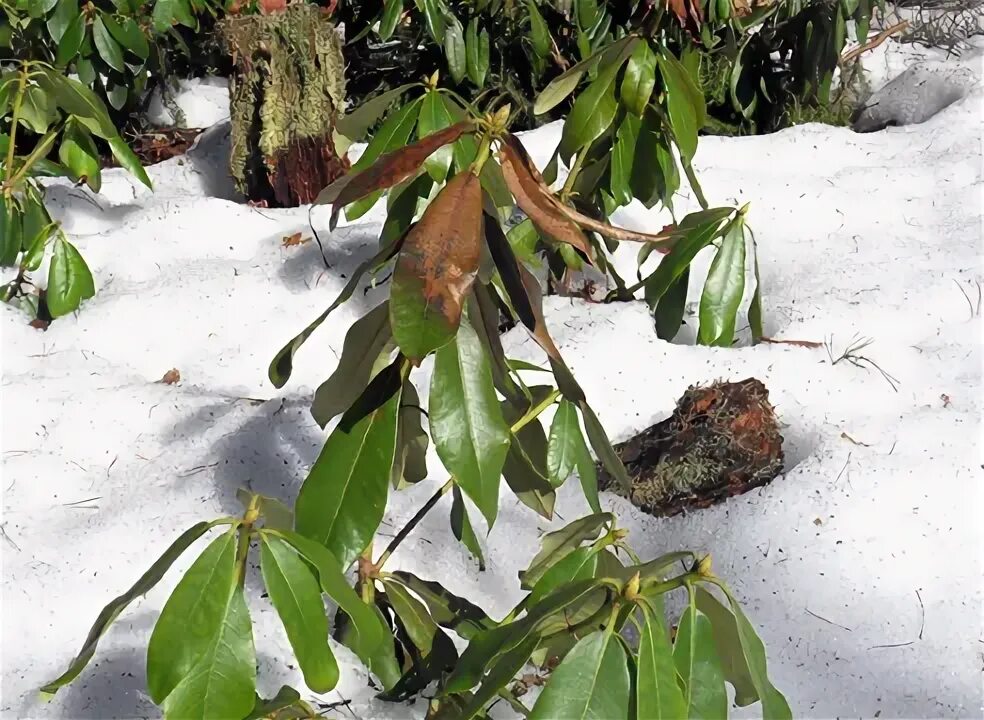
[862,565]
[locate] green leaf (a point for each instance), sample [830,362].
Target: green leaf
[588,475]
[69,279]
[684,102]
[222,684]
[755,309]
[109,613]
[477,52]
[728,644]
[168,13]
[578,565]
[723,290]
[192,617]
[128,35]
[370,637]
[699,667]
[525,469]
[593,111]
[500,674]
[672,265]
[410,464]
[78,153]
[539,33]
[591,682]
[565,438]
[487,646]
[655,178]
[420,626]
[70,42]
[117,95]
[35,112]
[523,239]
[434,116]
[128,160]
[564,84]
[10,231]
[447,610]
[434,15]
[454,50]
[393,133]
[343,499]
[623,159]
[774,705]
[66,12]
[466,424]
[658,696]
[268,709]
[296,595]
[355,125]
[669,310]
[603,446]
[639,79]
[109,49]
[364,342]
[76,99]
[392,11]
[461,527]
[36,225]
[556,545]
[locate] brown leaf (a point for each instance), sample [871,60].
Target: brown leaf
[270,6]
[664,240]
[171,377]
[689,13]
[527,186]
[389,169]
[294,240]
[437,266]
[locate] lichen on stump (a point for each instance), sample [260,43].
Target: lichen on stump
[721,440]
[287,91]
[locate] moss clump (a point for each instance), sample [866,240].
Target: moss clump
[287,91]
[722,440]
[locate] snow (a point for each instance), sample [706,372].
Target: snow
[862,565]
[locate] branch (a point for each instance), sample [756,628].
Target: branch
[874,42]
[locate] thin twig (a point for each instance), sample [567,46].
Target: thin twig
[829,622]
[317,239]
[922,626]
[852,354]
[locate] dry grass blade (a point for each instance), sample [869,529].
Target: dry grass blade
[437,266]
[527,186]
[390,169]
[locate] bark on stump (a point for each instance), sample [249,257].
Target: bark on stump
[287,91]
[721,440]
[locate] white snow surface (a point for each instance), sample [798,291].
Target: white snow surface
[862,565]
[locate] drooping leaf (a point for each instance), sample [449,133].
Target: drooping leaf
[603,445]
[728,644]
[71,41]
[369,638]
[78,100]
[592,114]
[462,529]
[525,469]
[283,363]
[477,52]
[699,667]
[66,11]
[434,11]
[385,385]
[435,117]
[506,263]
[69,279]
[356,123]
[410,463]
[539,32]
[658,695]
[623,159]
[78,153]
[296,595]
[454,50]
[556,545]
[36,111]
[565,438]
[755,308]
[466,423]
[669,309]
[342,501]
[723,290]
[364,341]
[524,181]
[109,613]
[192,618]
[587,474]
[128,34]
[128,160]
[270,709]
[640,79]
[420,626]
[578,565]
[222,683]
[447,610]
[672,266]
[591,682]
[436,268]
[685,104]
[774,705]
[500,674]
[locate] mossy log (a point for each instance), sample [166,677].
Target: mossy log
[721,440]
[287,91]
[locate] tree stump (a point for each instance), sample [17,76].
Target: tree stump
[721,440]
[287,91]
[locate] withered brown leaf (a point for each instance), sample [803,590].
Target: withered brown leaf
[171,377]
[389,169]
[527,186]
[436,268]
[689,13]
